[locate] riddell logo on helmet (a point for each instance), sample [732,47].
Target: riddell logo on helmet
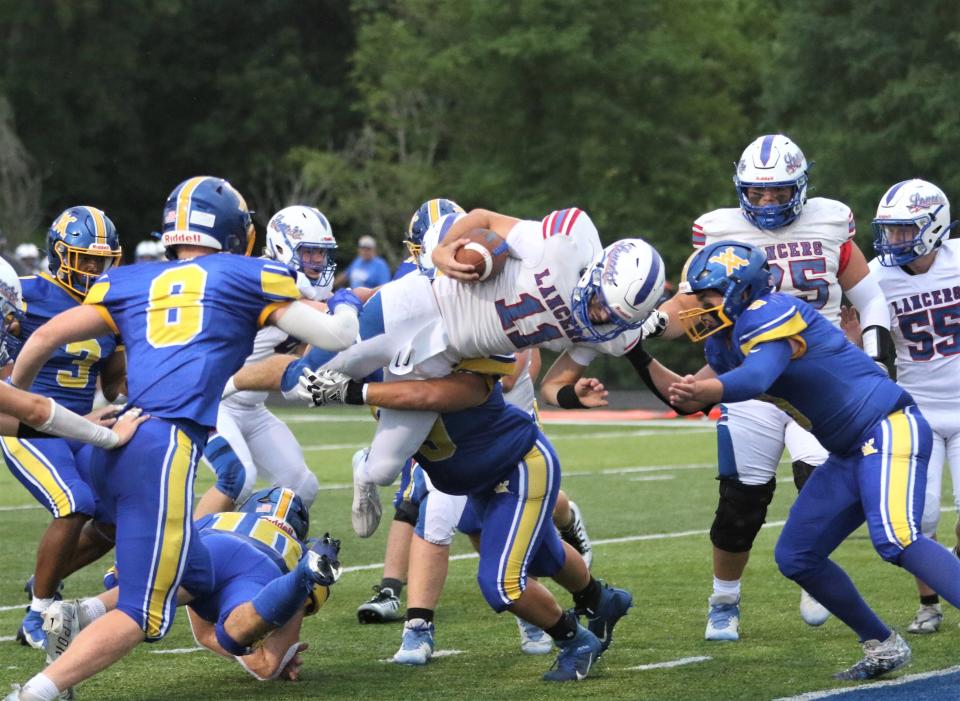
[171,239]
[918,202]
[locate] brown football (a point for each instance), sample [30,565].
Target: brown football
[486,252]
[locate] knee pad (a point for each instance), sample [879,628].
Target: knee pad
[801,473]
[231,474]
[741,511]
[228,643]
[407,512]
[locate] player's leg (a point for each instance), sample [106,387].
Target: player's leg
[48,469]
[749,446]
[384,605]
[278,456]
[227,453]
[429,561]
[569,521]
[929,615]
[805,454]
[151,480]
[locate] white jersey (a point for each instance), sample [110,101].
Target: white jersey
[523,395]
[805,256]
[925,322]
[528,303]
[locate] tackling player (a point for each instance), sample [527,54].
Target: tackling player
[772,345]
[812,255]
[918,267]
[82,243]
[187,325]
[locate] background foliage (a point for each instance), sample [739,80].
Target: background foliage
[633,111]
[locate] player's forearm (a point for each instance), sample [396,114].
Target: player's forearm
[328,331]
[443,395]
[755,375]
[264,375]
[35,353]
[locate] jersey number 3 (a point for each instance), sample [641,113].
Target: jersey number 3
[175,311]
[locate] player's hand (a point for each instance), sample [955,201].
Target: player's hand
[690,394]
[323,387]
[444,260]
[590,392]
[128,423]
[655,324]
[344,296]
[106,415]
[850,325]
[292,671]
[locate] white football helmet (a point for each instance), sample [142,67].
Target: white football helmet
[297,232]
[912,219]
[27,252]
[149,250]
[627,279]
[11,313]
[772,161]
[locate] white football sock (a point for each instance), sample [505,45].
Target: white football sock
[723,586]
[90,610]
[40,688]
[40,605]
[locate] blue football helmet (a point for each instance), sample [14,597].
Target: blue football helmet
[627,280]
[11,313]
[913,218]
[428,214]
[279,504]
[82,244]
[738,271]
[772,161]
[207,211]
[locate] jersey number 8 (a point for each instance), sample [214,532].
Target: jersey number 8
[175,311]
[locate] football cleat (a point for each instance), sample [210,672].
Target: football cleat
[812,611]
[322,560]
[366,510]
[576,657]
[417,645]
[31,630]
[927,620]
[723,618]
[614,604]
[61,624]
[533,639]
[383,607]
[878,658]
[576,535]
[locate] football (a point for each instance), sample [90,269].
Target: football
[486,252]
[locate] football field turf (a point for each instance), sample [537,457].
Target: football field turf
[647,492]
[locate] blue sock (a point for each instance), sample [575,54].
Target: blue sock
[935,565]
[283,597]
[831,586]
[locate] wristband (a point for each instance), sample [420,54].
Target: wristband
[356,393]
[567,398]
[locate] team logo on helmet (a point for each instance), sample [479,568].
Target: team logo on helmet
[729,260]
[793,161]
[918,201]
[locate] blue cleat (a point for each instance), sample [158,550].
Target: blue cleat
[417,645]
[322,560]
[723,618]
[576,657]
[31,631]
[614,604]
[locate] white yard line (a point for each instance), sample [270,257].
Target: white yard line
[909,678]
[672,663]
[319,417]
[177,651]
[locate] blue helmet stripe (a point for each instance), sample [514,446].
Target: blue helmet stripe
[893,191]
[445,227]
[652,274]
[765,148]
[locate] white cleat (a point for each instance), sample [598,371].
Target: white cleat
[18,694]
[533,639]
[417,645]
[723,618]
[366,511]
[812,611]
[61,624]
[927,620]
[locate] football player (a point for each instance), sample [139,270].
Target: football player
[760,343]
[917,268]
[187,325]
[82,243]
[28,256]
[496,455]
[813,256]
[249,436]
[268,577]
[148,251]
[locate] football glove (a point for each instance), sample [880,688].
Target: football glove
[325,387]
[655,324]
[344,297]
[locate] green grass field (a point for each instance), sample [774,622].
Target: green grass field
[660,505]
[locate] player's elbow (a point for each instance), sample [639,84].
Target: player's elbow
[38,411]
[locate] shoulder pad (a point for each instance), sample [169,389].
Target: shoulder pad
[770,318]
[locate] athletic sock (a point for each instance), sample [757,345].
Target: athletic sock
[931,600]
[727,587]
[935,565]
[283,597]
[425,614]
[42,688]
[588,598]
[394,585]
[565,629]
[90,610]
[40,605]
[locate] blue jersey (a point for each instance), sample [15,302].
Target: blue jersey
[188,325]
[405,268]
[472,450]
[271,537]
[70,376]
[830,387]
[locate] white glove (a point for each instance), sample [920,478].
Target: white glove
[655,324]
[323,387]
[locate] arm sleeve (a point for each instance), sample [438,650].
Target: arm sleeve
[868,298]
[326,331]
[760,368]
[64,423]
